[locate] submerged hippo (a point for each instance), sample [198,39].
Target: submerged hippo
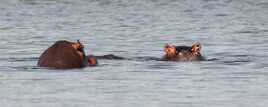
[110,56]
[182,53]
[65,55]
[92,60]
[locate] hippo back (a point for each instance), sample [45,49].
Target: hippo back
[62,55]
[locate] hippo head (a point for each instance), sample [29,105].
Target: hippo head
[64,55]
[183,53]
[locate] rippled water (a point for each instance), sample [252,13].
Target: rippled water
[233,33]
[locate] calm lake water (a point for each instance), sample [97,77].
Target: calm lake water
[233,34]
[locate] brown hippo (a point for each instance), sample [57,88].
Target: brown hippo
[183,53]
[65,55]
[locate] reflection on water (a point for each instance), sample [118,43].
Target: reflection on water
[233,35]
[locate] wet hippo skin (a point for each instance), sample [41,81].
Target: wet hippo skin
[64,55]
[182,53]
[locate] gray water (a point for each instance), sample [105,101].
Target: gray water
[233,34]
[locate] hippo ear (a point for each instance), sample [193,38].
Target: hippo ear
[167,46]
[196,47]
[78,41]
[170,48]
[78,46]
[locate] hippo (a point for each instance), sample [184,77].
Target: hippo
[92,60]
[65,55]
[182,53]
[110,57]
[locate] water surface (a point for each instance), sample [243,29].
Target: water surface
[233,32]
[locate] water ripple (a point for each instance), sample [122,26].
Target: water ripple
[233,35]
